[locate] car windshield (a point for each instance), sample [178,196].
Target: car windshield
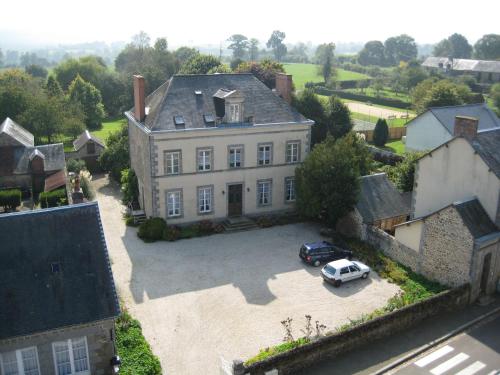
[331,270]
[304,250]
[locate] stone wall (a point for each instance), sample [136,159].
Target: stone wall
[100,345]
[338,343]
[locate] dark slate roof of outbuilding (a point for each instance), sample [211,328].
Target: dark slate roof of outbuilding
[446,115]
[35,299]
[487,145]
[379,199]
[487,66]
[475,218]
[17,133]
[84,138]
[177,97]
[54,158]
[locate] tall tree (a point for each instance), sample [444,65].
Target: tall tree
[338,117]
[400,48]
[253,49]
[443,49]
[239,45]
[36,71]
[438,93]
[308,104]
[455,46]
[184,54]
[488,47]
[275,42]
[52,87]
[265,71]
[115,157]
[324,57]
[372,54]
[380,133]
[89,98]
[200,64]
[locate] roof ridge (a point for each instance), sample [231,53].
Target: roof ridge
[457,106]
[50,209]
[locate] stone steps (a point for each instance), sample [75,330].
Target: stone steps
[232,225]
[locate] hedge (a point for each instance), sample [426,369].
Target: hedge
[53,198]
[10,199]
[151,230]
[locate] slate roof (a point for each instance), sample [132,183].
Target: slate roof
[84,138]
[17,133]
[487,145]
[475,218]
[54,158]
[177,97]
[486,66]
[32,296]
[379,199]
[446,115]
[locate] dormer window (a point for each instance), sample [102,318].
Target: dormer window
[234,112]
[209,119]
[179,122]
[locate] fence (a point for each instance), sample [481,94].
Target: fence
[394,133]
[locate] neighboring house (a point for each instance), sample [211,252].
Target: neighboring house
[26,166]
[88,148]
[216,146]
[483,70]
[380,205]
[58,299]
[437,125]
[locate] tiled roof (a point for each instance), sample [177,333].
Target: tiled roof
[486,66]
[84,138]
[17,134]
[54,270]
[55,180]
[475,218]
[177,97]
[53,158]
[487,145]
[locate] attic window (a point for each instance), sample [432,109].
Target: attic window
[209,119]
[179,121]
[197,92]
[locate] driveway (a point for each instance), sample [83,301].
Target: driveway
[224,295]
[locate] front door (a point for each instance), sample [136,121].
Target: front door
[235,200]
[486,272]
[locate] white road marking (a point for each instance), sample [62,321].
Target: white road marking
[433,356]
[472,369]
[445,366]
[494,372]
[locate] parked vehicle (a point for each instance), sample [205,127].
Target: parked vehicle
[321,252]
[340,271]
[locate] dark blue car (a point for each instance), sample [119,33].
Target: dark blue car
[322,252]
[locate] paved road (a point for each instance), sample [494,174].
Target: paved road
[471,353]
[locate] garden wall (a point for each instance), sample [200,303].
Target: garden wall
[394,133]
[332,345]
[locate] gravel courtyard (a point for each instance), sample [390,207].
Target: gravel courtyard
[224,295]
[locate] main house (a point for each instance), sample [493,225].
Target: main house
[216,146]
[437,125]
[57,295]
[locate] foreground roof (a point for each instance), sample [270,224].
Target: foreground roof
[379,199]
[177,97]
[487,66]
[84,138]
[16,160]
[487,145]
[54,270]
[13,134]
[475,218]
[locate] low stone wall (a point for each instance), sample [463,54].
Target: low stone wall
[392,247]
[332,345]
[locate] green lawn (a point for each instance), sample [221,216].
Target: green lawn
[398,147]
[303,73]
[394,123]
[108,127]
[384,93]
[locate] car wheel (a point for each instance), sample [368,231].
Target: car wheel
[316,263]
[365,275]
[337,283]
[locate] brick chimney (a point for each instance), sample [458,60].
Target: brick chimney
[284,86]
[139,98]
[77,194]
[465,127]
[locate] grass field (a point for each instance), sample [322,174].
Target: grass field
[394,123]
[303,73]
[398,147]
[385,93]
[108,127]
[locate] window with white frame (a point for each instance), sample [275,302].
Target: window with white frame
[172,161]
[292,152]
[20,362]
[290,189]
[264,154]
[234,112]
[71,356]
[205,199]
[264,193]
[235,157]
[204,160]
[174,203]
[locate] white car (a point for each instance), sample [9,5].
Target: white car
[340,271]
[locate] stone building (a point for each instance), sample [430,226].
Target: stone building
[485,71]
[88,148]
[216,146]
[57,293]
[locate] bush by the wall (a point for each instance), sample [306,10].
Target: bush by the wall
[152,229]
[53,198]
[10,199]
[87,189]
[171,233]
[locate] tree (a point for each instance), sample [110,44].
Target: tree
[455,46]
[130,186]
[239,45]
[400,48]
[488,47]
[115,157]
[52,88]
[36,71]
[90,68]
[17,91]
[495,96]
[298,54]
[253,49]
[403,173]
[1,58]
[275,42]
[372,54]
[308,104]
[265,71]
[443,49]
[200,64]
[324,57]
[327,182]
[184,54]
[89,98]
[235,63]
[338,117]
[381,133]
[437,93]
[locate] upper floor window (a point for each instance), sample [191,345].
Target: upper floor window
[290,189]
[71,356]
[264,154]
[90,147]
[292,152]
[235,156]
[234,112]
[21,361]
[264,193]
[205,159]
[174,203]
[172,162]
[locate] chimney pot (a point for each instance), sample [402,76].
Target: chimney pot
[284,86]
[139,98]
[465,127]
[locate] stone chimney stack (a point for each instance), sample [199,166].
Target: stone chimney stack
[465,127]
[139,98]
[77,194]
[284,86]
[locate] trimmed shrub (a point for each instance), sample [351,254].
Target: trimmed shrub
[205,227]
[151,230]
[130,186]
[264,222]
[10,199]
[380,133]
[75,165]
[53,198]
[171,233]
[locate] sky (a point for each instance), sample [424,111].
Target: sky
[194,22]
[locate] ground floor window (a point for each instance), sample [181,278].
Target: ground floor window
[290,189]
[174,203]
[20,362]
[205,194]
[264,192]
[71,356]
